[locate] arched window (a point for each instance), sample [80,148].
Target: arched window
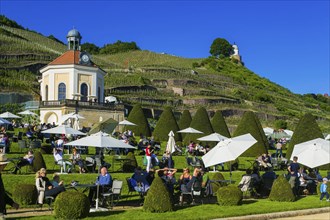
[84,92]
[99,94]
[46,93]
[61,91]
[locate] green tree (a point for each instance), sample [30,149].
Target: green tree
[248,124]
[219,125]
[307,129]
[55,39]
[165,124]
[7,22]
[90,48]
[221,46]
[184,121]
[137,117]
[281,124]
[201,122]
[119,46]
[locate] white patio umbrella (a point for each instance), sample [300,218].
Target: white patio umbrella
[268,131]
[312,153]
[101,140]
[63,129]
[289,132]
[126,122]
[8,115]
[190,131]
[72,115]
[213,137]
[170,146]
[228,150]
[327,137]
[28,112]
[4,122]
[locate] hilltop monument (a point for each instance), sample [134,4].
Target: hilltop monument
[235,54]
[73,82]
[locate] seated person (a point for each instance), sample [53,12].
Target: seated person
[245,182]
[58,156]
[269,174]
[139,180]
[26,160]
[76,159]
[185,177]
[167,175]
[188,187]
[56,182]
[45,187]
[104,181]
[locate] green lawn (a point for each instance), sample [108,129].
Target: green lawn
[206,211]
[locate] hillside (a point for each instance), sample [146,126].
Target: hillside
[156,80]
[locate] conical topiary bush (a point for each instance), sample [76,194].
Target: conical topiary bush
[130,165]
[165,124]
[158,198]
[219,125]
[38,161]
[306,129]
[262,133]
[248,125]
[137,117]
[184,121]
[281,190]
[201,122]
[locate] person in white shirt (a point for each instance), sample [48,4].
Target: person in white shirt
[58,156]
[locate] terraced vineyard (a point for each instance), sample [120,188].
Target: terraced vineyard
[155,80]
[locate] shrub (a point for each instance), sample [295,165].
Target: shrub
[307,129]
[130,165]
[137,117]
[38,161]
[25,194]
[219,125]
[184,121]
[71,205]
[216,185]
[46,149]
[165,124]
[200,122]
[229,196]
[281,191]
[248,124]
[158,198]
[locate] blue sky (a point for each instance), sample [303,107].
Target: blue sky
[284,41]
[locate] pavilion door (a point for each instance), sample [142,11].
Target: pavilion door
[84,92]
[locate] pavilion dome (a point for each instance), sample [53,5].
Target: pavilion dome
[74,33]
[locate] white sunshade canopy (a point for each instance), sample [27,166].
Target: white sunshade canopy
[28,112]
[312,153]
[170,146]
[4,121]
[327,137]
[63,129]
[213,137]
[268,131]
[8,115]
[190,131]
[289,132]
[100,139]
[71,116]
[228,149]
[126,122]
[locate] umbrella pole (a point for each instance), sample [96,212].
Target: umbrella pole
[230,174]
[98,184]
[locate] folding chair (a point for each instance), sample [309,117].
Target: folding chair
[114,194]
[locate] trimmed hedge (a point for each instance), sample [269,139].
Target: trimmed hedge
[71,205]
[216,185]
[200,122]
[165,124]
[307,129]
[281,191]
[46,149]
[38,161]
[248,124]
[184,121]
[158,198]
[229,196]
[25,194]
[137,117]
[219,125]
[130,165]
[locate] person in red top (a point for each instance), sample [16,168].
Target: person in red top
[148,156]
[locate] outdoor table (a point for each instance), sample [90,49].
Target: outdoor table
[75,187]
